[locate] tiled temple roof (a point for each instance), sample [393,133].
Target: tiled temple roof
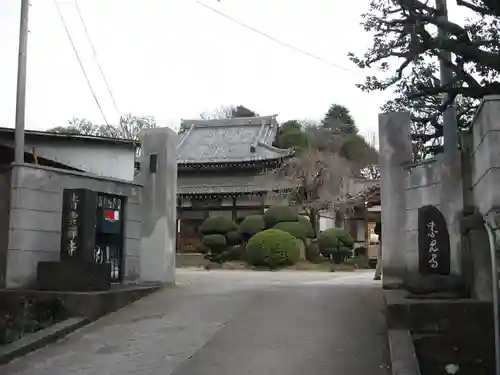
[188,185]
[233,140]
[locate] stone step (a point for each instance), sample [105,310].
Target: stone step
[454,348]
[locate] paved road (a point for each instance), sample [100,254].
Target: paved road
[231,323]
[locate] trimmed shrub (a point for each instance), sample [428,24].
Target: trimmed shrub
[218,234]
[251,225]
[218,225]
[307,225]
[215,242]
[279,214]
[233,238]
[237,252]
[335,244]
[273,248]
[202,248]
[295,228]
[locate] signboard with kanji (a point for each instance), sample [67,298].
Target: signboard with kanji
[78,225]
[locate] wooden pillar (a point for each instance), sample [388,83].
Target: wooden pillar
[235,214]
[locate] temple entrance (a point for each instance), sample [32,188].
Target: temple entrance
[109,234]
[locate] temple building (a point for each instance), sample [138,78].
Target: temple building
[218,164]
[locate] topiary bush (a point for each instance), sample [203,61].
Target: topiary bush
[279,214]
[218,225]
[272,248]
[251,225]
[215,242]
[219,233]
[335,244]
[307,225]
[233,238]
[202,248]
[295,228]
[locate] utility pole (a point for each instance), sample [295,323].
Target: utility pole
[450,128]
[21,82]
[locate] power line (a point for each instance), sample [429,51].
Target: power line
[80,61]
[285,44]
[95,56]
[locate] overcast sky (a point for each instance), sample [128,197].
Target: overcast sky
[173,59]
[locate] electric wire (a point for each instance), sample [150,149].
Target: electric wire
[95,56]
[270,37]
[80,61]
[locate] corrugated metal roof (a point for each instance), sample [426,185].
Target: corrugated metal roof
[33,134]
[229,140]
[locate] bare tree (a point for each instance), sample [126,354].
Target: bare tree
[129,127]
[312,181]
[371,172]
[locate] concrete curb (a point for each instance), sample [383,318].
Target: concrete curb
[403,358]
[40,339]
[402,351]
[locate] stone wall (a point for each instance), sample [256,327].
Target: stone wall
[485,156]
[407,186]
[422,187]
[438,183]
[35,219]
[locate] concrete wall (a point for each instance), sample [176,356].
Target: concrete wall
[35,219]
[101,158]
[4,221]
[485,156]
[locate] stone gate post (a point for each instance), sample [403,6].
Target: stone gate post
[158,174]
[395,152]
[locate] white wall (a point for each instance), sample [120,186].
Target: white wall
[326,223]
[106,160]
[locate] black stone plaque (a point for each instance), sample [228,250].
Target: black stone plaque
[73,276]
[433,242]
[78,225]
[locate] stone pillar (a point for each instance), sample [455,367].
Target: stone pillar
[452,204]
[395,151]
[158,174]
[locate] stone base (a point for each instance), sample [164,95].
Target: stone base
[444,332]
[439,285]
[73,276]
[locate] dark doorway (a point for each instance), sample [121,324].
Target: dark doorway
[109,234]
